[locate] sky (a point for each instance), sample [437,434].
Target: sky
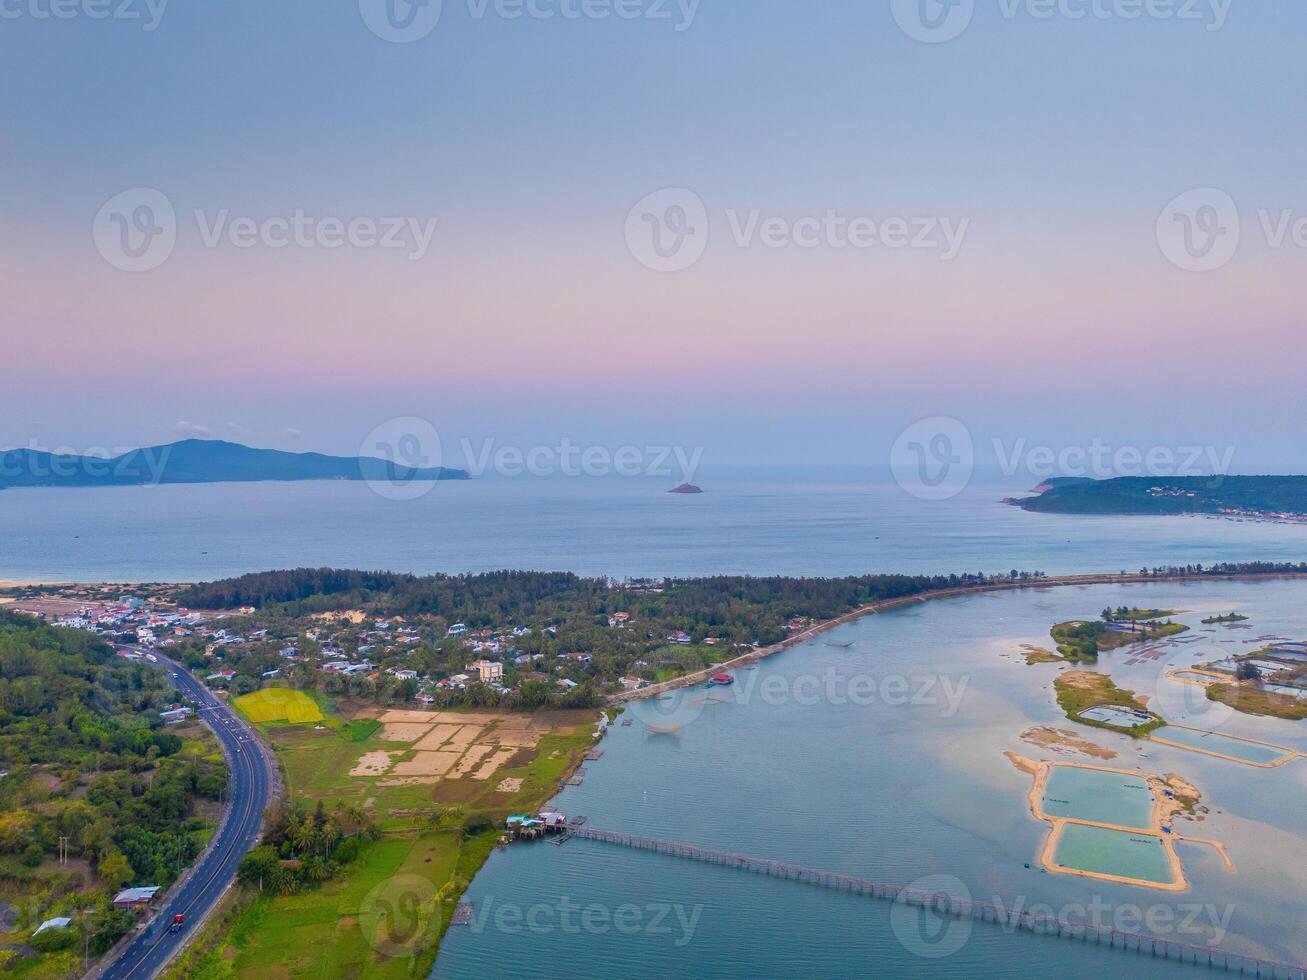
[783,231]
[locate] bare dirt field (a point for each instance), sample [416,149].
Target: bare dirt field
[474,755]
[453,750]
[494,762]
[437,737]
[427,764]
[373,764]
[518,740]
[398,731]
[464,737]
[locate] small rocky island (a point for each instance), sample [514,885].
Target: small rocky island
[686,488]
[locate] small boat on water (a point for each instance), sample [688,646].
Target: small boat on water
[721,680]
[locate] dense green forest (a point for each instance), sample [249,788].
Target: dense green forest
[1173,495]
[495,598]
[87,759]
[299,587]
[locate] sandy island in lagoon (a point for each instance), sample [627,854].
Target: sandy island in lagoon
[1164,811]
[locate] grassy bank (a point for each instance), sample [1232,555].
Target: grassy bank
[1230,618]
[1038,655]
[1084,640]
[1078,691]
[1253,700]
[384,914]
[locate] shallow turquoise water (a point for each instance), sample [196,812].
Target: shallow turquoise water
[907,789]
[1100,797]
[1113,852]
[1216,742]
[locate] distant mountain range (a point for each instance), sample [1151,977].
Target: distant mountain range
[201,461]
[1260,496]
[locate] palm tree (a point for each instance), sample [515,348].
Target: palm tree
[302,834]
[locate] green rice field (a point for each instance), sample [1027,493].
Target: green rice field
[279,704]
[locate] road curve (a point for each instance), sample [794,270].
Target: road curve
[249,790]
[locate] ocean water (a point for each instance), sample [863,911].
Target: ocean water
[829,522]
[885,760]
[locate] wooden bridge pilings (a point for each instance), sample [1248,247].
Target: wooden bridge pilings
[944,904]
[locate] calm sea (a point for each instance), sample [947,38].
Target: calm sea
[761,522]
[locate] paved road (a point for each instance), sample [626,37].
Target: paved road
[248,790]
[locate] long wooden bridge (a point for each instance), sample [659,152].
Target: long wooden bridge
[943,904]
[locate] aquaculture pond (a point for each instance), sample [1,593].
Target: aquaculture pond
[1114,852]
[1098,796]
[1120,717]
[1238,748]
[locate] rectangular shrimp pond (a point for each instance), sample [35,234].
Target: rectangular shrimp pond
[1120,717]
[1257,753]
[1114,852]
[1098,796]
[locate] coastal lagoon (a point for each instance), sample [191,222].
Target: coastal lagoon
[885,760]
